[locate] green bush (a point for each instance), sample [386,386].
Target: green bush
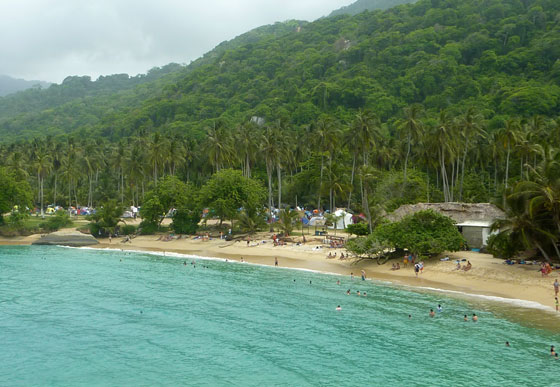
[185,222]
[358,229]
[147,228]
[127,229]
[56,222]
[503,246]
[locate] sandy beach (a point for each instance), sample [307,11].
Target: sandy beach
[488,276]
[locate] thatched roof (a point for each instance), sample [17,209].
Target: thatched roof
[459,212]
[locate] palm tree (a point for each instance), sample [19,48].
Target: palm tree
[156,153]
[217,145]
[271,154]
[43,164]
[246,145]
[411,127]
[287,219]
[509,135]
[471,129]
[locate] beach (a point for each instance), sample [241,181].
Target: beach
[488,276]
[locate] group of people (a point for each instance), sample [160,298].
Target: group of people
[440,309]
[333,256]
[467,267]
[546,269]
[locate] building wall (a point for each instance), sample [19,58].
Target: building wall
[474,236]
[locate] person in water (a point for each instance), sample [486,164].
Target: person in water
[358,292]
[466,318]
[363,275]
[338,282]
[338,308]
[507,344]
[432,313]
[552,351]
[365,294]
[474,317]
[348,292]
[439,308]
[352,276]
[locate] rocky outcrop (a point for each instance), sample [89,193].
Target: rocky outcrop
[459,212]
[64,238]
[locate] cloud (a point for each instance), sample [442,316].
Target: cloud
[51,39]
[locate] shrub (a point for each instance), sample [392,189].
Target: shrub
[147,228]
[358,229]
[503,246]
[128,229]
[56,222]
[185,222]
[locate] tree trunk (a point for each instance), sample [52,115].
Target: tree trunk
[352,180]
[463,171]
[279,173]
[320,186]
[55,181]
[406,161]
[507,166]
[41,192]
[269,175]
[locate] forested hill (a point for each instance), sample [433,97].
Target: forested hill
[80,103]
[368,5]
[499,56]
[9,85]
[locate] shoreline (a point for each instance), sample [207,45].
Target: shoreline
[516,287]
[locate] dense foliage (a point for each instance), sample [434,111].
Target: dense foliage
[441,100]
[360,6]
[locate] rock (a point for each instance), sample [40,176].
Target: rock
[65,238]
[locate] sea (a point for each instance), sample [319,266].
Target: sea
[85,317]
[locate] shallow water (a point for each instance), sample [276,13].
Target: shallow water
[84,317]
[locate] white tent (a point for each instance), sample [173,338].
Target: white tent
[344,219]
[317,221]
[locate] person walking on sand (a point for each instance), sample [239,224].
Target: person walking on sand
[556,287]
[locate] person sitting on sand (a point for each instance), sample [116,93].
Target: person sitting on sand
[458,265]
[330,255]
[342,256]
[398,266]
[468,266]
[394,267]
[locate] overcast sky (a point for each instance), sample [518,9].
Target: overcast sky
[51,39]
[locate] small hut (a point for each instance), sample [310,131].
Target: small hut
[473,220]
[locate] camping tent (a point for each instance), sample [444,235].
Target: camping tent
[344,219]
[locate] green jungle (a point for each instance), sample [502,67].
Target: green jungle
[436,101]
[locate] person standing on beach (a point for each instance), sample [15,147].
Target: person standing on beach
[275,261]
[416,269]
[363,275]
[556,287]
[556,302]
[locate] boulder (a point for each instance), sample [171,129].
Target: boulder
[65,238]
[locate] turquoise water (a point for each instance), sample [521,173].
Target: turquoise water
[84,317]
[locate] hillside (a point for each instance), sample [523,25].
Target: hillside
[500,57]
[9,85]
[80,103]
[368,5]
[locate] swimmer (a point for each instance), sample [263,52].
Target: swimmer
[439,308]
[338,282]
[466,318]
[294,280]
[507,344]
[347,292]
[358,292]
[365,294]
[552,351]
[352,276]
[474,317]
[363,275]
[432,313]
[309,282]
[409,316]
[556,356]
[338,308]
[184,263]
